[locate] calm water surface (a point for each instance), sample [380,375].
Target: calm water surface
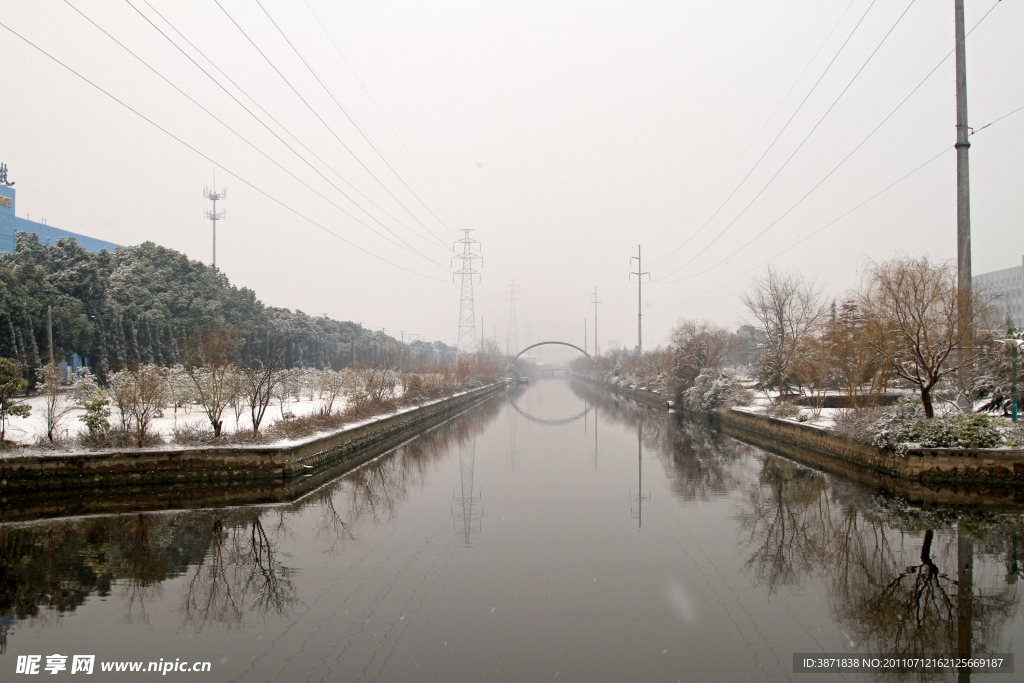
[554,533]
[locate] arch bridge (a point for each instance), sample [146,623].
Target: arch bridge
[543,343]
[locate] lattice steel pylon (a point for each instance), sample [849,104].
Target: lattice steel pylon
[512,341]
[467,318]
[468,514]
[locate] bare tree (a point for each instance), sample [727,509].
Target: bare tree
[696,345]
[57,404]
[140,392]
[207,358]
[917,324]
[260,377]
[332,385]
[786,307]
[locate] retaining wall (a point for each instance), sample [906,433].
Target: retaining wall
[231,472]
[936,475]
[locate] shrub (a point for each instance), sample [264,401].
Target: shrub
[897,427]
[786,411]
[193,434]
[97,412]
[710,391]
[955,430]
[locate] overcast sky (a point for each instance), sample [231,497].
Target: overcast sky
[563,133]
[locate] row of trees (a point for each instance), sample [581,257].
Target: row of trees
[217,381]
[903,327]
[135,306]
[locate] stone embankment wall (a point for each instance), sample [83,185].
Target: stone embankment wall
[226,467]
[991,474]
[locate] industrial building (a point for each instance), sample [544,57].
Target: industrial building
[10,224]
[1006,287]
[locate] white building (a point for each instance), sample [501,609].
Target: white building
[1006,287]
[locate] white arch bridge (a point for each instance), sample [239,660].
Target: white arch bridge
[543,343]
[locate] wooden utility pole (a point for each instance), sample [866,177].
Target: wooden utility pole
[963,204]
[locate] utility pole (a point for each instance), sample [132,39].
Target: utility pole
[639,300]
[963,204]
[584,335]
[49,330]
[482,347]
[512,341]
[467,318]
[597,347]
[213,196]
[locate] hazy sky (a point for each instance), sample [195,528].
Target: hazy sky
[563,133]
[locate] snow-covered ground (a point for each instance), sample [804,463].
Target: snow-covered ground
[29,429]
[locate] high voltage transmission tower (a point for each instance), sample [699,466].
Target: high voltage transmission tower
[597,346]
[512,341]
[468,513]
[212,214]
[467,320]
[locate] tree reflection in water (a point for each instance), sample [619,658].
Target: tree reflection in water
[895,590]
[231,559]
[242,573]
[899,580]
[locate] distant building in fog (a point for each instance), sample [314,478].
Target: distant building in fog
[10,224]
[1006,287]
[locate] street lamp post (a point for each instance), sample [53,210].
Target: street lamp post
[1013,345]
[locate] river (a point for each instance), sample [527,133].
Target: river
[554,532]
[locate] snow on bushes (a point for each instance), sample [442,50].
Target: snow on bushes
[710,391]
[904,425]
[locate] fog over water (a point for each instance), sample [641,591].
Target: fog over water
[564,134]
[552,532]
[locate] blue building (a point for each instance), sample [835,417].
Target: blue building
[10,224]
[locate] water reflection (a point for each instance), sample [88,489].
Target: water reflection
[401,539]
[230,558]
[900,580]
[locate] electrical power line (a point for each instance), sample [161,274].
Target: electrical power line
[772,144]
[256,148]
[322,121]
[841,163]
[381,112]
[281,125]
[214,161]
[754,138]
[809,236]
[798,148]
[357,127]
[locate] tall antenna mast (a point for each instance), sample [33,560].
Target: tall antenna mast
[212,214]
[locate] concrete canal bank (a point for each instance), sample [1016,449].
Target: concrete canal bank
[165,478]
[935,475]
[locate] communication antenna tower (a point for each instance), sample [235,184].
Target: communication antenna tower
[595,302]
[512,341]
[467,320]
[212,214]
